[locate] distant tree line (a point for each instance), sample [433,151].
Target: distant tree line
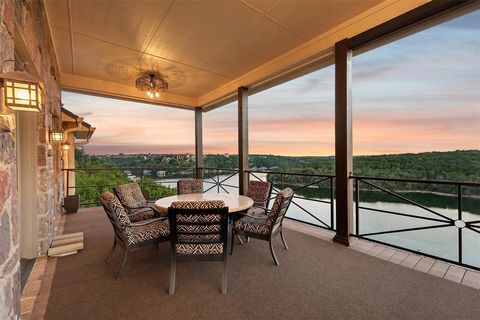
[460,165]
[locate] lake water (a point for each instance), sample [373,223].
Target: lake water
[441,242]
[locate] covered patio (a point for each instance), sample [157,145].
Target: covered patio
[316,279]
[199,56]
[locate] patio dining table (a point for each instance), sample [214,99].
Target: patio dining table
[234,202]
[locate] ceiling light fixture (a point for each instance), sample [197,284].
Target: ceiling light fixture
[152,84]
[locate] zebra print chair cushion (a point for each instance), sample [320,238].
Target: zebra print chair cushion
[254,225]
[213,248]
[135,232]
[259,191]
[214,204]
[130,195]
[266,224]
[189,186]
[140,233]
[198,232]
[113,206]
[280,206]
[256,211]
[141,214]
[200,229]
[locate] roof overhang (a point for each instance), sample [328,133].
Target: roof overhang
[73,123]
[93,58]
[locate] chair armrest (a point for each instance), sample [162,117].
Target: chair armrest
[255,217]
[263,208]
[144,222]
[131,208]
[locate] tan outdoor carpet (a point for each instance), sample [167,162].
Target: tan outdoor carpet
[315,280]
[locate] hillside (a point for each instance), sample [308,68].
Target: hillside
[451,165]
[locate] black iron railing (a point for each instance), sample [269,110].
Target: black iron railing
[146,177]
[309,188]
[313,189]
[221,179]
[434,219]
[218,178]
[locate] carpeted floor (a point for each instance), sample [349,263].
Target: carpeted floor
[315,280]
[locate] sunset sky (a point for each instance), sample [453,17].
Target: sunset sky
[420,93]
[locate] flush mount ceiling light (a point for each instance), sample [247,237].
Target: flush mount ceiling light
[152,84]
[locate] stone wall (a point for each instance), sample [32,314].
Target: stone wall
[30,19]
[9,232]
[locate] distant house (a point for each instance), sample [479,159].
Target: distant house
[184,156]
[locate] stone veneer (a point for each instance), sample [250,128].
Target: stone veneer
[30,18]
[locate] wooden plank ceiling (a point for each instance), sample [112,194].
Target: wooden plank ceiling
[204,49]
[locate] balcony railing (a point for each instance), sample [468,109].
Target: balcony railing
[150,183]
[447,233]
[311,190]
[219,179]
[440,219]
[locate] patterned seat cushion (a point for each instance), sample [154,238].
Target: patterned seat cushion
[139,233]
[199,237]
[130,195]
[189,186]
[256,211]
[211,248]
[253,225]
[141,214]
[198,228]
[211,204]
[114,207]
[214,204]
[198,232]
[259,191]
[280,206]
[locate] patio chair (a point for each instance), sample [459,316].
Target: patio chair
[132,199]
[260,192]
[266,227]
[199,231]
[131,235]
[188,186]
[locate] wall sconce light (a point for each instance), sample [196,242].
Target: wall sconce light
[22,91]
[66,146]
[56,136]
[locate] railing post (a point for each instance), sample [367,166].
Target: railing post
[460,209]
[242,140]
[343,142]
[198,143]
[357,209]
[332,210]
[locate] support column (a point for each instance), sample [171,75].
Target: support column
[198,143]
[242,140]
[343,142]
